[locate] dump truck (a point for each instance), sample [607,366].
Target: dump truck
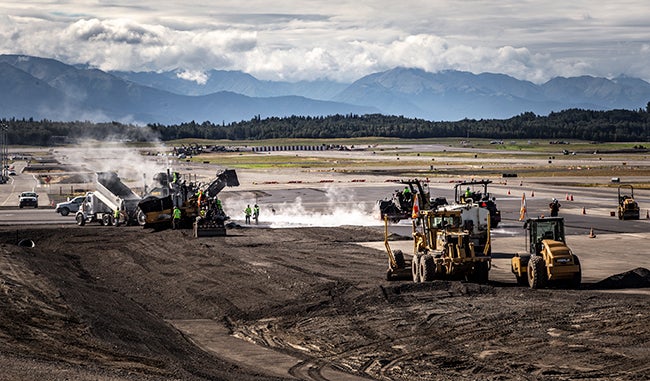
[549,260]
[478,194]
[400,205]
[628,208]
[171,190]
[110,194]
[442,249]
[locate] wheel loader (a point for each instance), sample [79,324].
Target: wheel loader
[628,209]
[549,260]
[442,249]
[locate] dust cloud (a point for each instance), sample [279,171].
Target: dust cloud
[337,208]
[114,156]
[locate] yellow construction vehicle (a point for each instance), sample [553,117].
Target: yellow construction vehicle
[442,249]
[628,209]
[549,259]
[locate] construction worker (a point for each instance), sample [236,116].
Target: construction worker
[555,207]
[468,193]
[116,217]
[256,213]
[248,213]
[199,198]
[176,220]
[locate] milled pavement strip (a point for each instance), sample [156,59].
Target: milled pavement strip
[213,337]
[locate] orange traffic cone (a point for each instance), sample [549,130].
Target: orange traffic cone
[572,197]
[647,215]
[532,193]
[583,210]
[591,233]
[567,197]
[508,191]
[51,202]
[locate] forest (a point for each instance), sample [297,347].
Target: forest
[589,125]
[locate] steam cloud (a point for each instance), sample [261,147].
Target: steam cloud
[337,209]
[114,156]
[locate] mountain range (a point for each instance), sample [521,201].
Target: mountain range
[43,88]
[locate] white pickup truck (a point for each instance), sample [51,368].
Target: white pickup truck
[72,205]
[28,199]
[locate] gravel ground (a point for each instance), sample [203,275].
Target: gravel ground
[102,303]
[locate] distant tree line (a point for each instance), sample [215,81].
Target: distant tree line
[613,126]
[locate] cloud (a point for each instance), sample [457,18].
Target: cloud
[339,40]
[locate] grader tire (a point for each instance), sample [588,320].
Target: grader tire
[536,272]
[79,218]
[399,259]
[415,268]
[481,272]
[427,268]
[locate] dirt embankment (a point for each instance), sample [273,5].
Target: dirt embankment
[99,302]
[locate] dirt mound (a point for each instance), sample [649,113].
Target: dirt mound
[637,278]
[100,302]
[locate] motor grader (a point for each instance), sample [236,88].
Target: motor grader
[549,259]
[628,208]
[442,249]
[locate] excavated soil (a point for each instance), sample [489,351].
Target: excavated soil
[100,303]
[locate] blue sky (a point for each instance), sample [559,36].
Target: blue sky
[337,40]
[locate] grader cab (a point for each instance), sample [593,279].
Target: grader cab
[549,259]
[442,249]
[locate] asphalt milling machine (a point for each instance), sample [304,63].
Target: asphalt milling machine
[200,208]
[442,249]
[477,192]
[400,205]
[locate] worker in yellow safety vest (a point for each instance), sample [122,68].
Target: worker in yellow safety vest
[248,213]
[176,220]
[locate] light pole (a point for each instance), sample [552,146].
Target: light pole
[4,150]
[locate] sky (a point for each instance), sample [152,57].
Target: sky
[335,39]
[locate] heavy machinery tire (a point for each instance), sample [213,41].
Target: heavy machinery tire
[106,220]
[427,268]
[142,218]
[415,268]
[522,280]
[64,211]
[536,272]
[81,221]
[481,272]
[399,259]
[577,277]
